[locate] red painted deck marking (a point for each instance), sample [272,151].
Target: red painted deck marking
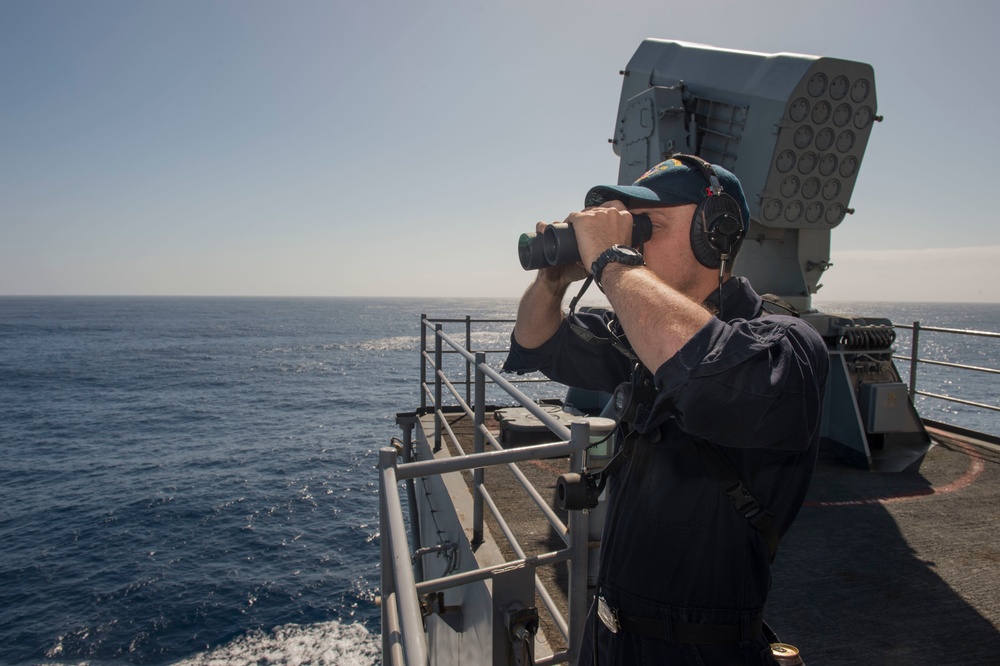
[975,468]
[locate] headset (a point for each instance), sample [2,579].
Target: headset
[717,226]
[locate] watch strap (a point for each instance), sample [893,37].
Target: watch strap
[618,254]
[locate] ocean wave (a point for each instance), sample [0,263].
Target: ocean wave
[392,343]
[324,643]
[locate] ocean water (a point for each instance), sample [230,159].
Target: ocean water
[192,480]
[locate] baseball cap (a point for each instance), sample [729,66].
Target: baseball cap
[672,182]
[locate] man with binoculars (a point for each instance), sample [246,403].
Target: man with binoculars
[718,403]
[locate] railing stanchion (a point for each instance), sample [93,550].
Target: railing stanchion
[468,368]
[579,534]
[479,445]
[913,359]
[411,495]
[423,362]
[438,369]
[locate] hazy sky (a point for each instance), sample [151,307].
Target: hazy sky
[398,148]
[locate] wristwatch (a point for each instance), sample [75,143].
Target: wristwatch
[619,254]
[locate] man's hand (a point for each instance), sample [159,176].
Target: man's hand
[539,313]
[598,228]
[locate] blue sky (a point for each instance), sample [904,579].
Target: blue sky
[390,148]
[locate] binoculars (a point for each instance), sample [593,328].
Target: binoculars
[556,246]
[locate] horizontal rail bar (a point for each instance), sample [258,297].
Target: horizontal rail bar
[959,400]
[486,459]
[556,658]
[959,331]
[466,577]
[454,352]
[540,380]
[471,321]
[946,364]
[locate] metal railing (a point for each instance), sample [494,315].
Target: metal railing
[468,381]
[915,359]
[404,640]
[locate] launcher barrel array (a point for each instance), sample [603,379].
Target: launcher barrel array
[792,127]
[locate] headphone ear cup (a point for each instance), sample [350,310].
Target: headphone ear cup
[701,245]
[716,229]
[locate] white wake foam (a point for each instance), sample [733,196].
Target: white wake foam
[323,644]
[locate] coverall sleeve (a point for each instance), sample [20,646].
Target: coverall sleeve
[579,354]
[746,383]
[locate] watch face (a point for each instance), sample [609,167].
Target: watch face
[625,251]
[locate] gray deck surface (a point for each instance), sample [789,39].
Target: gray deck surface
[913,578]
[878,568]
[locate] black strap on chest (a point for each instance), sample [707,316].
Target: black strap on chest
[728,479]
[723,471]
[774,304]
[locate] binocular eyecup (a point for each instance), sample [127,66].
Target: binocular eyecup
[556,246]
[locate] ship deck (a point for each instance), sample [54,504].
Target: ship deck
[878,568]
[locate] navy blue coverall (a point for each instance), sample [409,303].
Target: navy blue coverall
[676,555]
